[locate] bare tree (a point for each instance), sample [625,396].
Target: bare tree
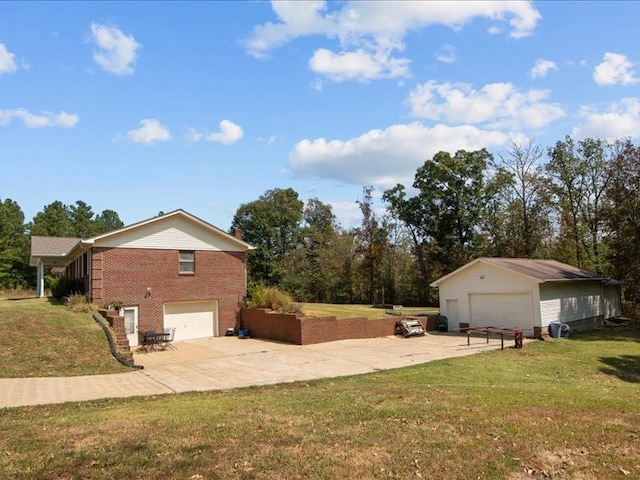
[526,207]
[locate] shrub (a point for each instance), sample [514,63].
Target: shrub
[66,286]
[261,296]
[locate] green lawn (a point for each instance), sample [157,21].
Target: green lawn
[41,339]
[351,311]
[561,409]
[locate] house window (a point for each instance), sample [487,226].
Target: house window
[187,261]
[85,264]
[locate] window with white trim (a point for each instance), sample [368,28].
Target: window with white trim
[187,261]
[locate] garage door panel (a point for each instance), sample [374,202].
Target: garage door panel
[508,310]
[192,319]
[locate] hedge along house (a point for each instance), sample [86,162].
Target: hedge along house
[526,294]
[174,270]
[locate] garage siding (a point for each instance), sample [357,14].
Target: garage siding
[612,306]
[567,302]
[192,319]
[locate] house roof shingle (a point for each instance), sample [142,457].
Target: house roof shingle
[542,270]
[547,270]
[45,246]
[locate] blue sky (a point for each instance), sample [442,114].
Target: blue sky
[143,107]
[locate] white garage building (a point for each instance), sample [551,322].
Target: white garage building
[526,294]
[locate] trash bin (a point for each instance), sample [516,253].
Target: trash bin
[554,329]
[443,324]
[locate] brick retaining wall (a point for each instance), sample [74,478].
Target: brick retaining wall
[291,328]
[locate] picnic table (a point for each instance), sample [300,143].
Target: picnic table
[502,331]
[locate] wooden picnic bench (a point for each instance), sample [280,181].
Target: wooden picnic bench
[515,332]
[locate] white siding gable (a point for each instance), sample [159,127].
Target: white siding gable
[173,233]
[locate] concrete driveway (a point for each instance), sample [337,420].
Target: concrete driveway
[229,362]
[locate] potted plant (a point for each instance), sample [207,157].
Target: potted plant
[116,305]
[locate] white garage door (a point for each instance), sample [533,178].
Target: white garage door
[507,310]
[192,319]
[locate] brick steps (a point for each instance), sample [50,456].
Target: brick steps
[116,322]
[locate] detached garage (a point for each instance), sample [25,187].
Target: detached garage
[526,294]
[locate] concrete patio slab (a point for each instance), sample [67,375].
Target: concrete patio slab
[229,362]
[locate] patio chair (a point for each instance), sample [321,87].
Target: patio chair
[147,339]
[169,334]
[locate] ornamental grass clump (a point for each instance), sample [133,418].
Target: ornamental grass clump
[261,296]
[79,302]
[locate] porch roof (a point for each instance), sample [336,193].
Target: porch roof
[53,251]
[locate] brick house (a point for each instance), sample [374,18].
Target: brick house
[174,270]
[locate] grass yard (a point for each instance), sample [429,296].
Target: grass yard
[351,311]
[41,339]
[561,409]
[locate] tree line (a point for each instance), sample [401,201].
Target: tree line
[55,220]
[576,202]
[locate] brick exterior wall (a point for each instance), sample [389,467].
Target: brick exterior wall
[306,331]
[125,274]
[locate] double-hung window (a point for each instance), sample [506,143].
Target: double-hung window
[187,261]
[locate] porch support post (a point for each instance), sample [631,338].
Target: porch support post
[40,280]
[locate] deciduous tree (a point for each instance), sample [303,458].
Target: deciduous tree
[371,245]
[622,213]
[523,219]
[579,176]
[271,224]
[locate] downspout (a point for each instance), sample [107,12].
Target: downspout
[602,310]
[112,346]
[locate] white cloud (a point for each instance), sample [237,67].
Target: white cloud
[45,119]
[229,133]
[116,52]
[150,132]
[358,65]
[370,32]
[385,157]
[618,120]
[615,69]
[496,104]
[296,19]
[447,54]
[348,214]
[542,68]
[7,62]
